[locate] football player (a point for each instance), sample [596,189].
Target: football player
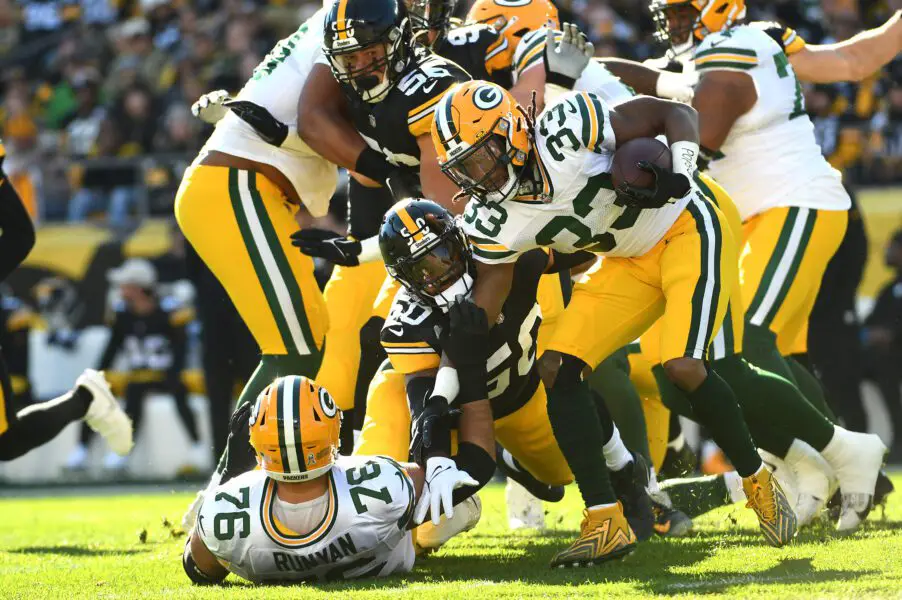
[308,515]
[668,252]
[762,148]
[23,429]
[425,250]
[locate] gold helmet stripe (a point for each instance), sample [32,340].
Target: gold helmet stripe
[410,224]
[339,20]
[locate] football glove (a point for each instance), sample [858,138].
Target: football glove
[442,478]
[466,342]
[432,430]
[267,126]
[667,186]
[209,108]
[566,58]
[331,246]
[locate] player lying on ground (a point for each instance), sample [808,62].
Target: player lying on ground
[424,248]
[23,429]
[308,514]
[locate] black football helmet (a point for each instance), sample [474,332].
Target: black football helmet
[430,16]
[424,249]
[368,44]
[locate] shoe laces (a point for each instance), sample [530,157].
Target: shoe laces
[763,502]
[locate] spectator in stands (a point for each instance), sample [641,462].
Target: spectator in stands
[83,126]
[180,132]
[882,336]
[151,332]
[886,137]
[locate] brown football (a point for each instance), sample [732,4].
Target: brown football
[625,170]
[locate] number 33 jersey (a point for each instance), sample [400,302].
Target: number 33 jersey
[574,148]
[363,532]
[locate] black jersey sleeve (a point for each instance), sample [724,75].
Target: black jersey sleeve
[424,86]
[481,51]
[366,207]
[409,335]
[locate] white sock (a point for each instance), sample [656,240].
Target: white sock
[678,442]
[734,486]
[616,456]
[653,486]
[508,459]
[600,506]
[834,451]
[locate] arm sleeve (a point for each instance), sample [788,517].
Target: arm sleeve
[117,335]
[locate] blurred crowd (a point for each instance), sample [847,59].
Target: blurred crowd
[96,93]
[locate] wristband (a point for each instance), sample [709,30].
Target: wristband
[372,164]
[685,155]
[447,384]
[369,250]
[558,79]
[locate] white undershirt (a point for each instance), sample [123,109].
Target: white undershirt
[303,516]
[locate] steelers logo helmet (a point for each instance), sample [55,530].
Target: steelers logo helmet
[483,139]
[368,44]
[294,427]
[426,251]
[430,16]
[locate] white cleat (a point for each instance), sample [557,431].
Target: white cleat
[856,459]
[105,416]
[811,479]
[524,511]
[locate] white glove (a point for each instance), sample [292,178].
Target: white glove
[442,478]
[209,108]
[677,86]
[567,57]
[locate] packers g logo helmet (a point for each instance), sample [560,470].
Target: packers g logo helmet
[515,18]
[294,429]
[482,138]
[678,22]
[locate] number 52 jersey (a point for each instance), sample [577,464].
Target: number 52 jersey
[362,534]
[579,210]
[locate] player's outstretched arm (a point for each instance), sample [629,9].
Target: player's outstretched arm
[720,99]
[852,59]
[199,563]
[324,127]
[650,81]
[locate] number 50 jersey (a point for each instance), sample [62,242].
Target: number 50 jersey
[363,533]
[574,149]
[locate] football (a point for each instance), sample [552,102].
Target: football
[625,169]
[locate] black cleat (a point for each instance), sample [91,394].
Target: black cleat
[508,465]
[669,521]
[630,485]
[678,463]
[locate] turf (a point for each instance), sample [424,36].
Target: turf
[123,547]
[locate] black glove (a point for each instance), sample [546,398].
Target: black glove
[431,435]
[668,185]
[322,243]
[466,343]
[272,130]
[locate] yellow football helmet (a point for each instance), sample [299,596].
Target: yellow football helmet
[679,21]
[294,429]
[482,137]
[515,18]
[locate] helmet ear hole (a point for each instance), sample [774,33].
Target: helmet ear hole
[722,8]
[316,417]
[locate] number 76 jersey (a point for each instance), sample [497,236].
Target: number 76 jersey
[363,533]
[574,148]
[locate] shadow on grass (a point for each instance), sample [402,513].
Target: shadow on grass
[65,550]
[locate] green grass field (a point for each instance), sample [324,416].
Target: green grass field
[73,547]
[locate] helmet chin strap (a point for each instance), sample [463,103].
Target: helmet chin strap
[461,287]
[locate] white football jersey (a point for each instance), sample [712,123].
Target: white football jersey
[574,146]
[276,85]
[363,533]
[770,157]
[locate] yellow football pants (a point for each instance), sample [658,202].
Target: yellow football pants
[240,224]
[782,263]
[525,433]
[349,294]
[686,280]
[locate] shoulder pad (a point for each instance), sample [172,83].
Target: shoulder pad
[787,38]
[735,49]
[424,85]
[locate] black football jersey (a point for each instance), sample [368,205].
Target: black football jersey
[153,342]
[411,334]
[482,52]
[393,125]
